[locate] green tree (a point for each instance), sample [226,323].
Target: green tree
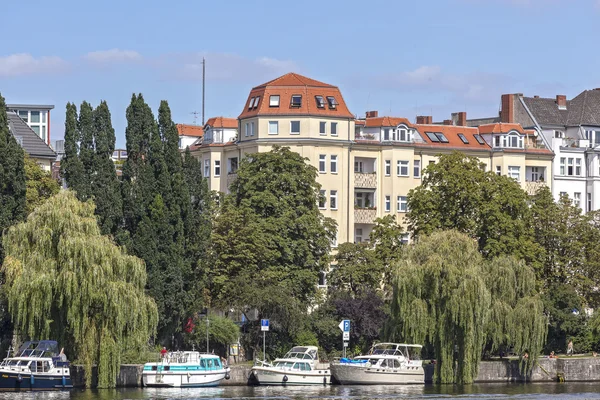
[71,167]
[357,270]
[269,240]
[456,193]
[85,125]
[105,186]
[40,185]
[222,332]
[67,281]
[448,296]
[387,240]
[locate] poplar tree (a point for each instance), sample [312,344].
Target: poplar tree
[71,168]
[67,281]
[12,177]
[106,188]
[85,124]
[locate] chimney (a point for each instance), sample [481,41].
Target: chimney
[459,118]
[447,122]
[424,119]
[372,114]
[507,110]
[561,101]
[536,96]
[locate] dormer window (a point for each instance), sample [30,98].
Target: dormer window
[296,100]
[256,100]
[510,141]
[332,102]
[251,104]
[274,100]
[403,134]
[320,101]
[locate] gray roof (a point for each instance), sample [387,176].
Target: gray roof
[584,109]
[30,106]
[482,121]
[30,141]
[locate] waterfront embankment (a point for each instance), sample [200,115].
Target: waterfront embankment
[564,369]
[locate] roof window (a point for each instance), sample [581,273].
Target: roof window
[296,100]
[432,137]
[320,101]
[251,104]
[463,138]
[332,102]
[256,100]
[274,100]
[442,138]
[479,139]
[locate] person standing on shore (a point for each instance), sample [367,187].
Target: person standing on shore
[570,348]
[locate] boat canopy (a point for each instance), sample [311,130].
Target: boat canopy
[42,348]
[303,352]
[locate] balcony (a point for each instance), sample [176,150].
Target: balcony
[365,215]
[365,180]
[532,187]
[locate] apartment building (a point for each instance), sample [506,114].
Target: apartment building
[366,166]
[37,116]
[571,128]
[188,135]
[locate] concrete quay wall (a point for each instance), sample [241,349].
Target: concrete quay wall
[546,370]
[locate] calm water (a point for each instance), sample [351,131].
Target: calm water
[533,391]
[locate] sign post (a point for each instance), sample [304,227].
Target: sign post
[264,327]
[345,328]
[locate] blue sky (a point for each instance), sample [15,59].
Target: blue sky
[402,58]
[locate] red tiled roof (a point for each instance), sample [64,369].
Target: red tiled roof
[190,130]
[360,122]
[293,84]
[386,121]
[501,127]
[451,133]
[222,122]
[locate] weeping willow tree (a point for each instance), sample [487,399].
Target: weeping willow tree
[68,282]
[516,315]
[447,295]
[440,297]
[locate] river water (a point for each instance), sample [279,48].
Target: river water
[497,391]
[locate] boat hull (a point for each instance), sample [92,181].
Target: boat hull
[183,379]
[362,375]
[275,376]
[12,380]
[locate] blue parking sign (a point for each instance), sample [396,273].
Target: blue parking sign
[264,325]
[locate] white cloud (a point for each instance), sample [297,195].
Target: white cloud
[113,56]
[25,64]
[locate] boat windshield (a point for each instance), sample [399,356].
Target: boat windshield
[302,353]
[43,348]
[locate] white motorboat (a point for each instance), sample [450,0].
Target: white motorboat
[185,369]
[300,366]
[386,364]
[36,366]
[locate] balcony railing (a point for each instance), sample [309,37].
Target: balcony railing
[365,180]
[532,187]
[365,215]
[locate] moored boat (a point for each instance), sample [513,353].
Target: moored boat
[386,364]
[185,369]
[37,365]
[300,366]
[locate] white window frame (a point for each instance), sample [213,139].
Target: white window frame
[388,203]
[207,168]
[578,167]
[577,199]
[333,164]
[323,196]
[333,128]
[401,204]
[589,202]
[246,129]
[402,166]
[274,100]
[217,168]
[251,128]
[388,167]
[323,128]
[358,235]
[274,124]
[416,168]
[333,204]
[563,168]
[291,125]
[514,171]
[322,163]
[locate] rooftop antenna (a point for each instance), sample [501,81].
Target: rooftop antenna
[195,114]
[203,85]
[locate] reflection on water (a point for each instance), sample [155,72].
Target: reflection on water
[534,391]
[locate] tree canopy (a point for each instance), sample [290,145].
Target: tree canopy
[447,295]
[67,281]
[40,185]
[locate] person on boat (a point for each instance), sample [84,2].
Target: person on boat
[62,355]
[163,353]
